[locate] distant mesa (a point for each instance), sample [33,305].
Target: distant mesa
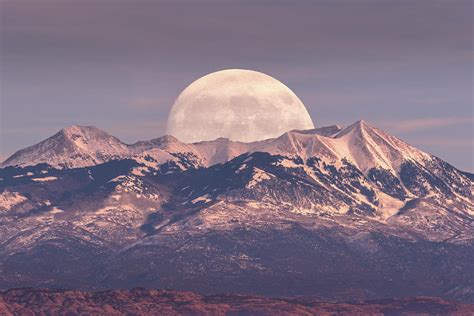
[141,301]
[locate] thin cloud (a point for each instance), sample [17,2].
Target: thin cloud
[428,123]
[444,142]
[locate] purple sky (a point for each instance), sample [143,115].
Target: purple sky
[404,66]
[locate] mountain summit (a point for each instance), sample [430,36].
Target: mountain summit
[72,147]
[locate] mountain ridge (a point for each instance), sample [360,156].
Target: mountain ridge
[329,139]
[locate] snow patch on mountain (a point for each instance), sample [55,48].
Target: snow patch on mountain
[44,179]
[10,199]
[205,198]
[388,205]
[258,176]
[56,210]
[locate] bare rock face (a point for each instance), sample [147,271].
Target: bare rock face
[167,302]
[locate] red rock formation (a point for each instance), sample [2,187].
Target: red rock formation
[168,302]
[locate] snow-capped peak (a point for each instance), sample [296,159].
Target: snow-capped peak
[92,138]
[72,147]
[368,147]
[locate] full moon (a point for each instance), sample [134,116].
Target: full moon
[242,105]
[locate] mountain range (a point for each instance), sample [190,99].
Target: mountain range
[343,214]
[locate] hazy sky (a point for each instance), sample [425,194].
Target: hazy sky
[404,66]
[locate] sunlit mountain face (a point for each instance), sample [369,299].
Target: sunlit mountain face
[336,213]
